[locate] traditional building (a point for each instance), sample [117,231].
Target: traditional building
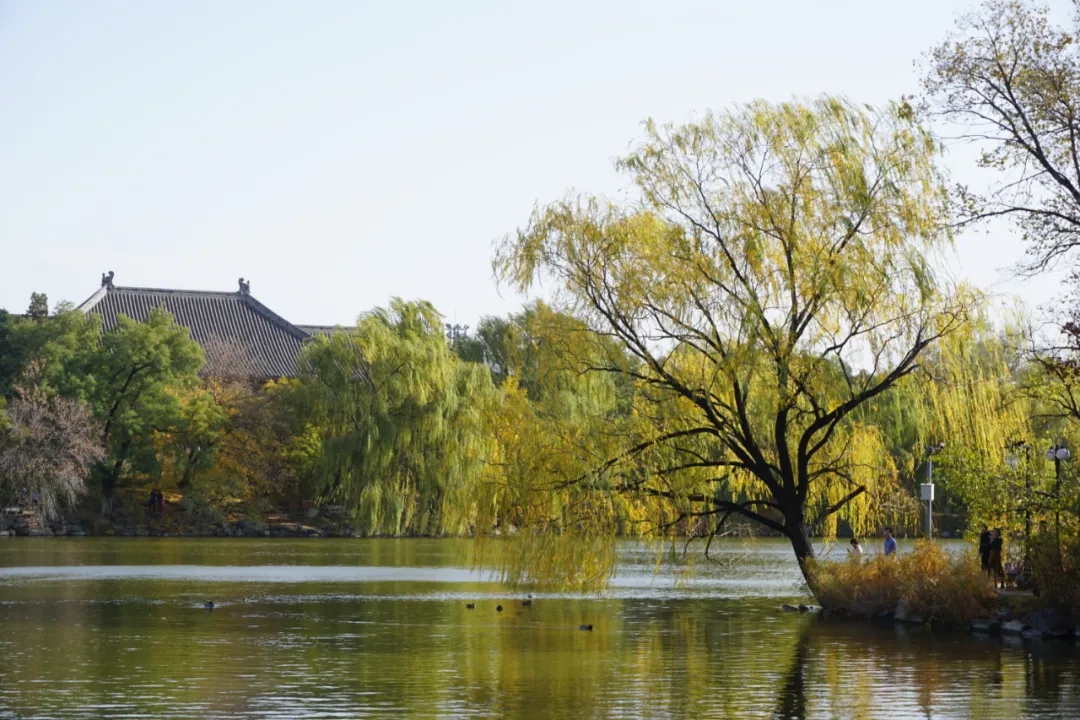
[242,338]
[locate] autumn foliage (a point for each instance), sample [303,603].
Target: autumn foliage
[929,581]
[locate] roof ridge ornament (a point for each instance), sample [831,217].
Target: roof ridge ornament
[245,287]
[107,279]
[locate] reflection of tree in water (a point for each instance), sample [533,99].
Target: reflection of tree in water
[660,658]
[792,701]
[1048,677]
[850,666]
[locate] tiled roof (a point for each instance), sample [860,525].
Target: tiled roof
[319,329]
[241,336]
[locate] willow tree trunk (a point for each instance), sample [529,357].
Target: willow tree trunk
[798,534]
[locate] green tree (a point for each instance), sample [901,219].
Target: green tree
[194,435]
[402,421]
[11,359]
[133,380]
[539,347]
[772,250]
[55,343]
[39,307]
[488,346]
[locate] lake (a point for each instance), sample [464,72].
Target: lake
[115,628]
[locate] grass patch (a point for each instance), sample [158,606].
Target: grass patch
[930,582]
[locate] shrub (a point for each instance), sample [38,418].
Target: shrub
[1056,567]
[929,581]
[47,447]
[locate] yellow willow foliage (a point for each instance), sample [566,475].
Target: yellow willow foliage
[970,399]
[872,468]
[548,493]
[402,421]
[997,413]
[771,277]
[556,528]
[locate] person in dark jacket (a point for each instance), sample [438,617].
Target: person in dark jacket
[997,546]
[984,549]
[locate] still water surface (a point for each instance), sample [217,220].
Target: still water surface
[115,628]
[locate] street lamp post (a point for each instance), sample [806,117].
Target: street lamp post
[1013,461]
[1058,454]
[926,491]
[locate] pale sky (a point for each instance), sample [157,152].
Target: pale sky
[338,153]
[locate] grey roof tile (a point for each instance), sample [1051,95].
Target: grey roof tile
[319,329]
[241,336]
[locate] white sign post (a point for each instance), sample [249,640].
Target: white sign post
[926,492]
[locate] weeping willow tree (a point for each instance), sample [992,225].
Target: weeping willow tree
[900,419]
[403,422]
[967,399]
[973,404]
[555,424]
[998,409]
[770,278]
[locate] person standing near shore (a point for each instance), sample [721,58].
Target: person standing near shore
[855,551]
[997,570]
[890,542]
[984,549]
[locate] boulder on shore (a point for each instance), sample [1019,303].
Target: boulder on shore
[985,625]
[904,615]
[1052,622]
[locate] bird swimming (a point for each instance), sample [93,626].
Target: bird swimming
[498,608]
[526,603]
[209,604]
[584,627]
[470,606]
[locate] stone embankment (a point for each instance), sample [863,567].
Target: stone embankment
[1047,623]
[21,522]
[16,521]
[1042,624]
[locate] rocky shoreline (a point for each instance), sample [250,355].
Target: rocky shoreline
[15,522]
[236,530]
[1049,623]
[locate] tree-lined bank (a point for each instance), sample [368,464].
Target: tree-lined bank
[763,334]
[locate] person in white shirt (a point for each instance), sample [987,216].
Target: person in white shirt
[855,551]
